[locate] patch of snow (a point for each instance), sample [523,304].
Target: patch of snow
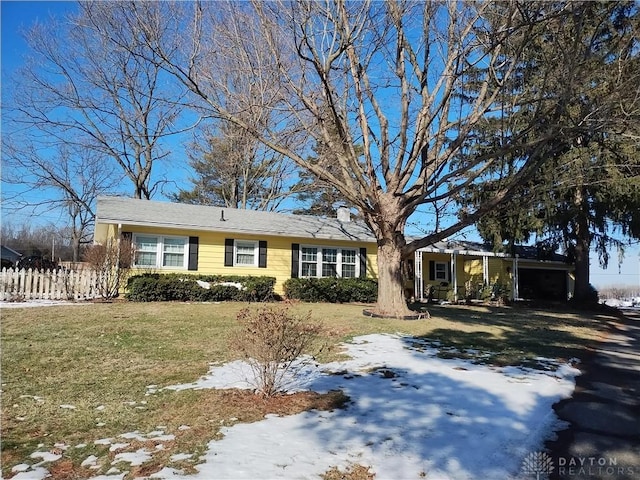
[37,473]
[91,460]
[108,476]
[118,446]
[169,473]
[103,441]
[136,458]
[135,435]
[163,438]
[207,285]
[21,467]
[448,419]
[39,303]
[180,456]
[618,303]
[46,456]
[68,407]
[184,427]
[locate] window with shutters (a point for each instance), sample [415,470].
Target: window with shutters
[154,251]
[245,253]
[329,262]
[309,262]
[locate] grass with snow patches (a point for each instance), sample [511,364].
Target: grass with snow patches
[73,375]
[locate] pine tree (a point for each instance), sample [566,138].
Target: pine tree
[590,191]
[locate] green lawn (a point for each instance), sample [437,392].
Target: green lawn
[100,358]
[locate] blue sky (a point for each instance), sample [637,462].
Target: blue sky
[18,15]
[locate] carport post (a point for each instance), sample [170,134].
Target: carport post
[418,281]
[515,290]
[454,274]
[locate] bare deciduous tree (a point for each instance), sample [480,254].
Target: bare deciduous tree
[87,85]
[384,88]
[111,262]
[68,179]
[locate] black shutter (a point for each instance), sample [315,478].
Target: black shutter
[193,253]
[126,238]
[295,260]
[363,262]
[262,254]
[228,252]
[432,270]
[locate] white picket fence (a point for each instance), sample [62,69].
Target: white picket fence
[20,285]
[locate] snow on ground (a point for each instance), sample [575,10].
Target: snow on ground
[39,303]
[411,415]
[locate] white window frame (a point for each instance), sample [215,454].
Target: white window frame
[256,252]
[445,270]
[160,243]
[319,260]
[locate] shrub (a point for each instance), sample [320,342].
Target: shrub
[272,341]
[153,287]
[111,262]
[332,290]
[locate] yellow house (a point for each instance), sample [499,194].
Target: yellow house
[172,237]
[196,239]
[458,270]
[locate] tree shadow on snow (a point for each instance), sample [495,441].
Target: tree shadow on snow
[439,418]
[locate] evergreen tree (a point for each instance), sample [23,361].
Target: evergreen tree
[232,170]
[589,192]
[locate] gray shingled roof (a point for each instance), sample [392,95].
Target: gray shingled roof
[129,211]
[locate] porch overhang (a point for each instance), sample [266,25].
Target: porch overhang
[485,255]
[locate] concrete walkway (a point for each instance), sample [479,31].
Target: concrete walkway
[603,437]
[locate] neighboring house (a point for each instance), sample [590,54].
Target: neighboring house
[462,269]
[9,256]
[173,237]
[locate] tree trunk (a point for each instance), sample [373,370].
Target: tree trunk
[391,299]
[582,289]
[75,247]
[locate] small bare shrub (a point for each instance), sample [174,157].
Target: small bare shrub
[272,340]
[111,262]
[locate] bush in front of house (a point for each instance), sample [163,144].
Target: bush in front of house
[272,340]
[154,287]
[332,290]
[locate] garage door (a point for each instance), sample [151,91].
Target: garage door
[542,284]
